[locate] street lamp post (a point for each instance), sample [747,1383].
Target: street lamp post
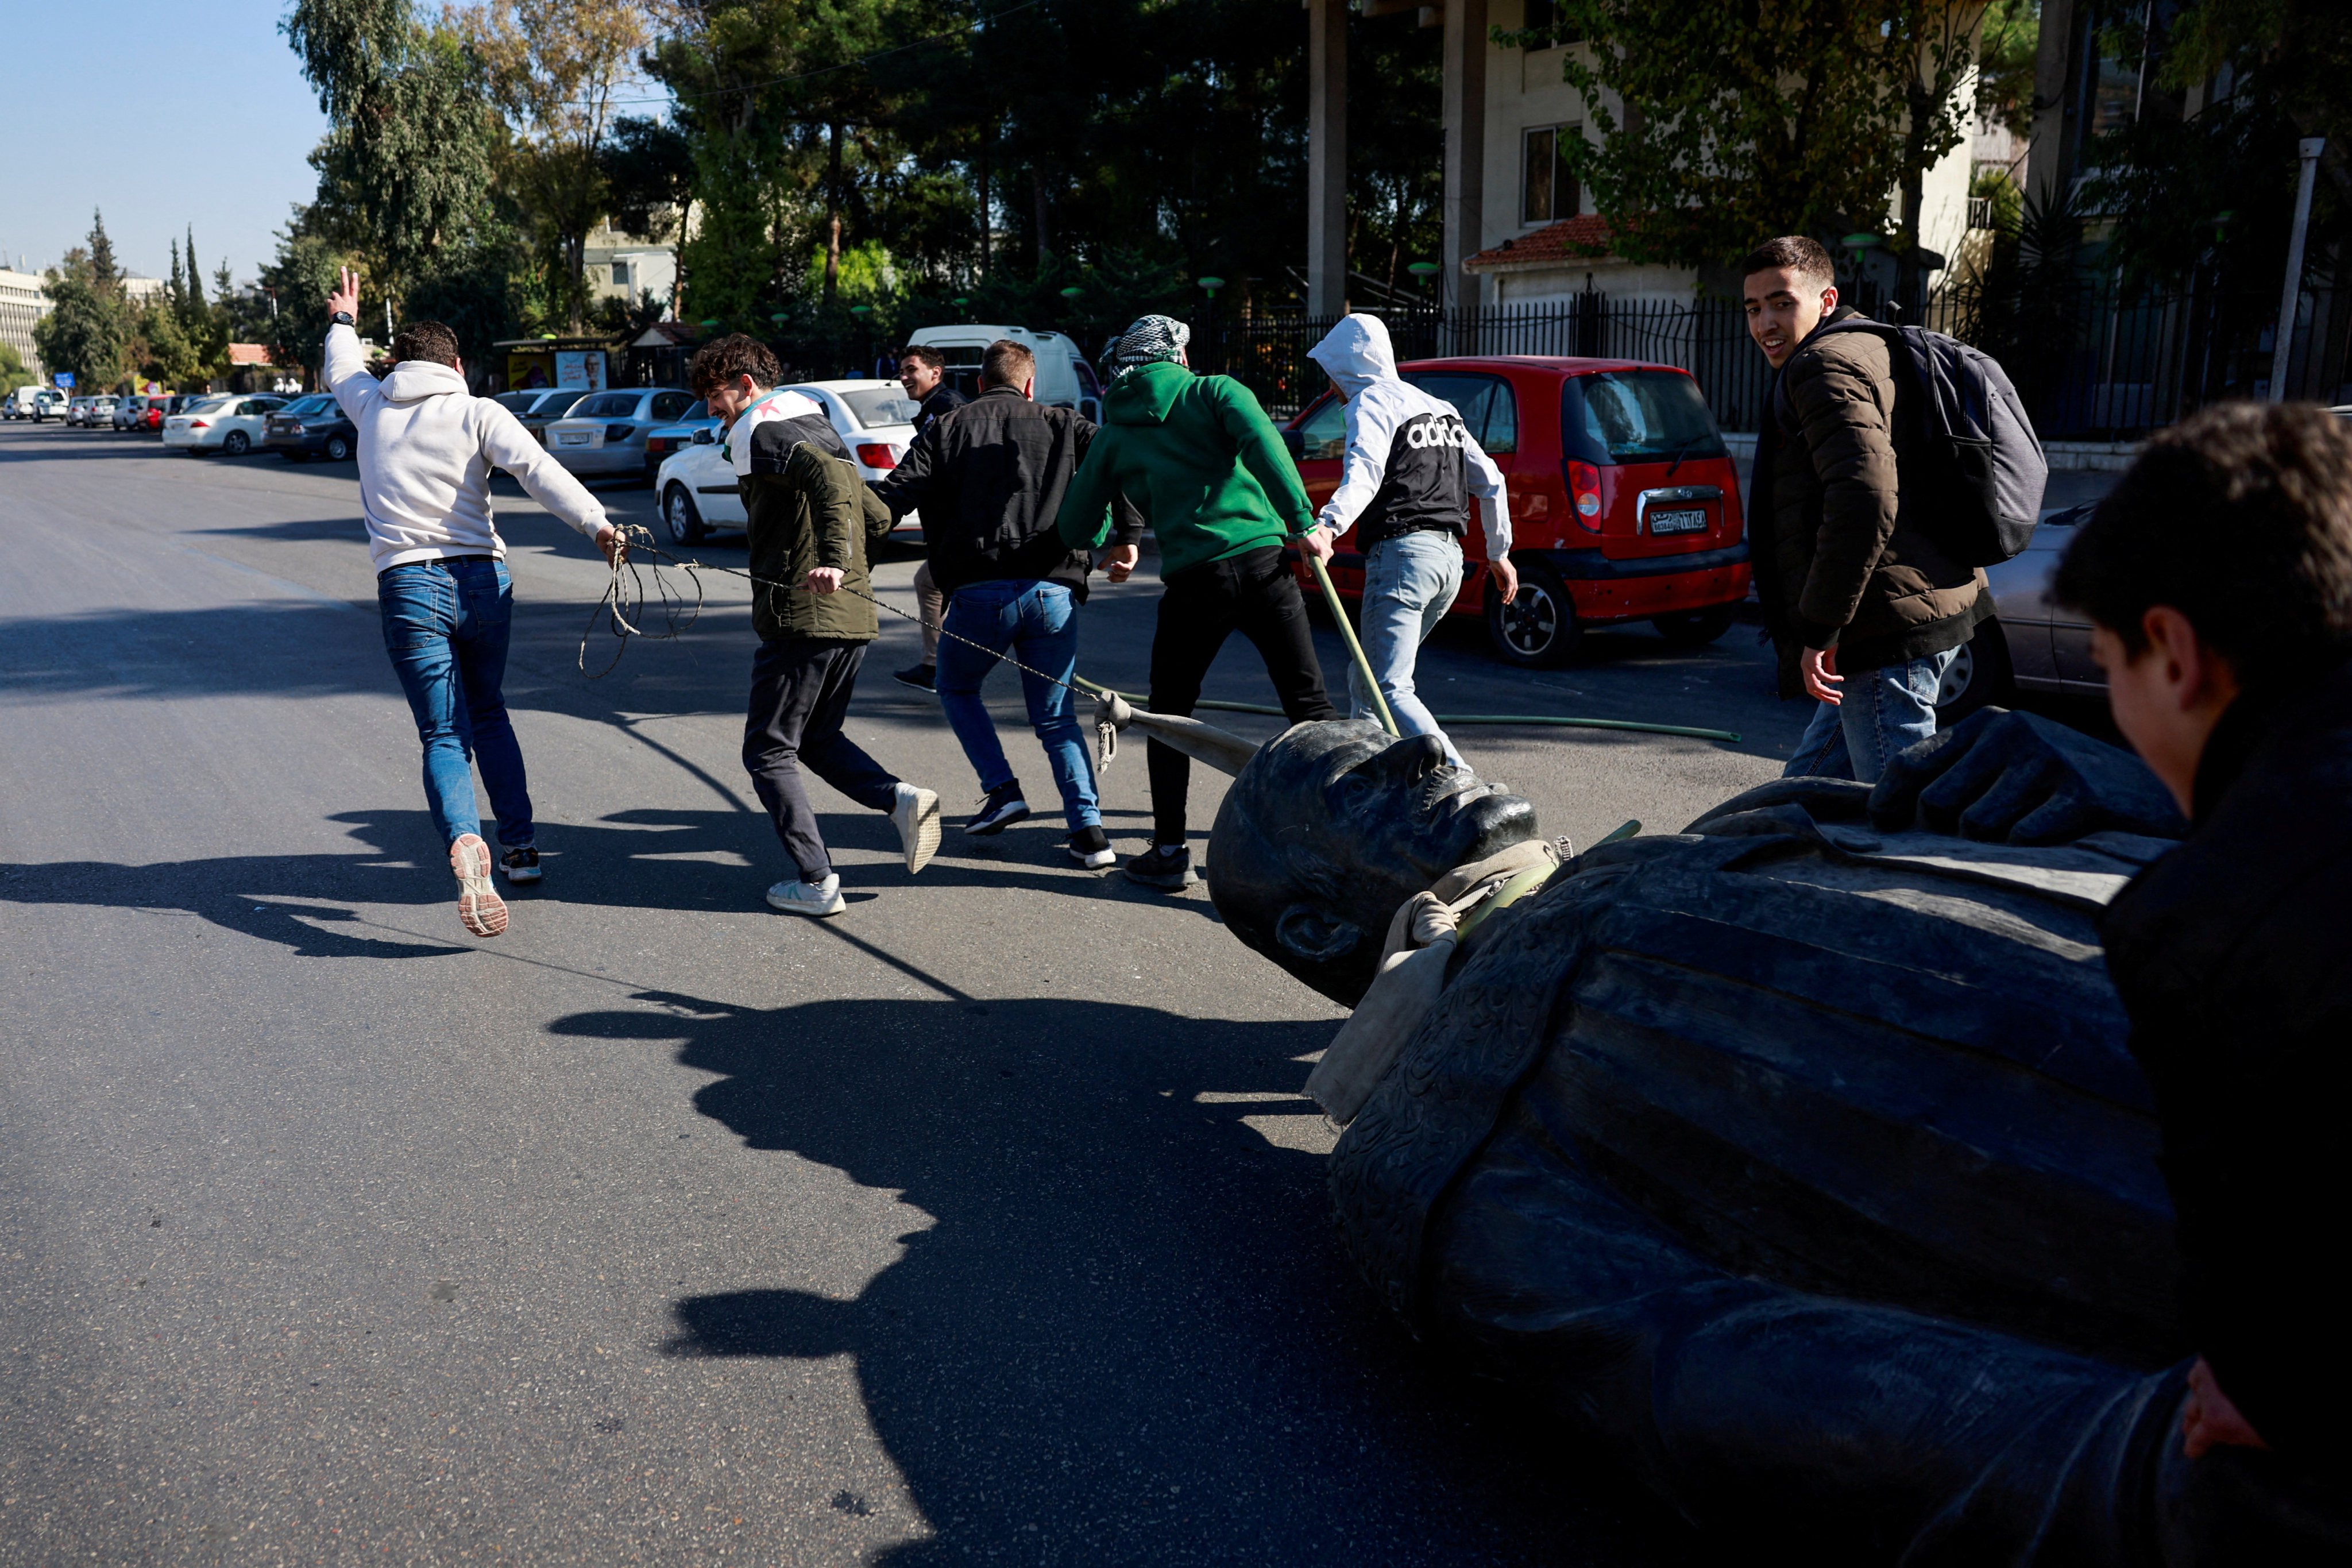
[2291,292]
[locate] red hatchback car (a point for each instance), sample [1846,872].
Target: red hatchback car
[1624,504]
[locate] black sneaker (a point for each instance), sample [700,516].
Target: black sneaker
[1164,865]
[520,864]
[920,677]
[1090,848]
[1002,807]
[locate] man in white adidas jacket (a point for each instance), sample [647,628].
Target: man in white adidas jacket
[1410,469]
[427,449]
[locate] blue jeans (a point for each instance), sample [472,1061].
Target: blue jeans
[1886,711]
[1035,621]
[446,624]
[1410,582]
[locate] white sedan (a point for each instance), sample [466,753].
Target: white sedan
[696,486]
[231,424]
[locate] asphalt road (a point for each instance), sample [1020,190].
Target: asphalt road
[985,1223]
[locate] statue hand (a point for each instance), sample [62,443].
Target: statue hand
[1999,776]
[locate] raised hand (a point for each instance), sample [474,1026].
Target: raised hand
[345,299]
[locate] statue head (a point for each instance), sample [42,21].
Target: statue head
[1330,827]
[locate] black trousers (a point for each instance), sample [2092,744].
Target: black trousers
[801,689]
[1252,594]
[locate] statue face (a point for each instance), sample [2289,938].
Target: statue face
[1334,824]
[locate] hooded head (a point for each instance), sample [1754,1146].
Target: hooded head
[1356,353]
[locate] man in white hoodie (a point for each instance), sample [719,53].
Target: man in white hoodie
[1410,469]
[427,449]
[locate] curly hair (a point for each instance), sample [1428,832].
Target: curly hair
[2240,517]
[721,359]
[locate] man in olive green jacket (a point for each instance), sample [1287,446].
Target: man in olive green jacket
[811,524]
[1208,469]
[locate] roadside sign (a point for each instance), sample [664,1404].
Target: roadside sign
[65,378]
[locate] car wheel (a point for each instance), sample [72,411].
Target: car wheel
[1694,628]
[680,515]
[337,449]
[1978,677]
[1539,628]
[237,443]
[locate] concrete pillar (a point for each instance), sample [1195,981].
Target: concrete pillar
[1465,98]
[1326,157]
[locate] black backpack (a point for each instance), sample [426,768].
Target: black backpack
[1976,418]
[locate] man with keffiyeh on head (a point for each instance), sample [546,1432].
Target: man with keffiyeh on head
[1199,456]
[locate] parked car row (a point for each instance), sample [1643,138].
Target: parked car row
[695,484]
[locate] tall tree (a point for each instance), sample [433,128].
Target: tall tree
[554,67]
[89,329]
[405,167]
[1791,116]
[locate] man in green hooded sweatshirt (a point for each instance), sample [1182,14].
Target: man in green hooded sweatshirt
[1201,459]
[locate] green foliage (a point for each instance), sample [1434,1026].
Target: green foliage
[87,332]
[1999,187]
[13,371]
[1796,117]
[405,168]
[2008,45]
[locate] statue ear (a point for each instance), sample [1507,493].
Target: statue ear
[1307,933]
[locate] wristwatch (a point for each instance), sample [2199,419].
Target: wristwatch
[342,319]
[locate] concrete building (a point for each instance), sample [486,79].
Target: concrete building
[24,300]
[627,266]
[1517,229]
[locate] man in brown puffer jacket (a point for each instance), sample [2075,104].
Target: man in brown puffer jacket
[1868,611]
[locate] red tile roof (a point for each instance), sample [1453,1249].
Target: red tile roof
[1581,238]
[248,354]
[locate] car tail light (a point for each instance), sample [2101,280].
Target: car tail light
[1584,487]
[294,430]
[656,445]
[878,455]
[618,433]
[200,424]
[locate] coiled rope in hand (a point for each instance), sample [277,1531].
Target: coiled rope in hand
[622,609]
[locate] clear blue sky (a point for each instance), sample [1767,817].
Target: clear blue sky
[160,113]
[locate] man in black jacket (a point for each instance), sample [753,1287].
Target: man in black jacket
[1867,607]
[988,482]
[2218,577]
[923,371]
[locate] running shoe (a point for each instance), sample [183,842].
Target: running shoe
[520,864]
[809,898]
[921,677]
[480,907]
[917,819]
[1000,809]
[1163,866]
[1090,848]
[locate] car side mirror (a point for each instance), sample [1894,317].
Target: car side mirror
[705,437]
[1295,440]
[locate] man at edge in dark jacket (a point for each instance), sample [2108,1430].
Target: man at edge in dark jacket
[989,483]
[1868,609]
[2218,577]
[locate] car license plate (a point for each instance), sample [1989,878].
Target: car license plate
[1692,521]
[573,437]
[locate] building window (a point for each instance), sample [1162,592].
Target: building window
[1548,191]
[620,275]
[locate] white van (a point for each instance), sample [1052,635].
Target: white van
[1064,377]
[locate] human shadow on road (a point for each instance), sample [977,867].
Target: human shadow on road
[1128,1336]
[696,861]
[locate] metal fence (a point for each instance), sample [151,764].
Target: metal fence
[2096,361]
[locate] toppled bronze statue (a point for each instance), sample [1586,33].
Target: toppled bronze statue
[1797,1157]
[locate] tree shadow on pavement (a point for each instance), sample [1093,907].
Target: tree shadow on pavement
[1129,1337]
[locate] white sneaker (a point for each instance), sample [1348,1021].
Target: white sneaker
[804,898]
[480,907]
[917,819]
